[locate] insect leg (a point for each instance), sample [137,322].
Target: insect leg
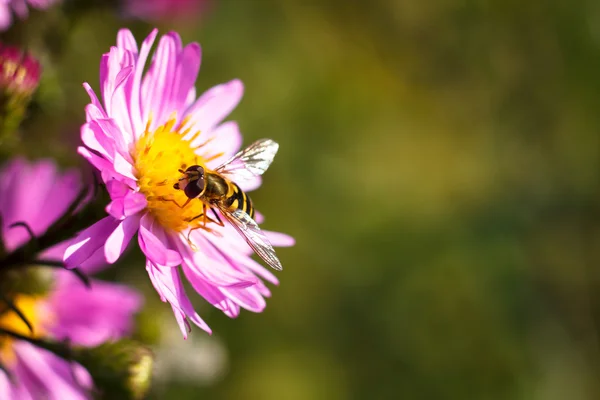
[220,223]
[199,215]
[209,219]
[162,198]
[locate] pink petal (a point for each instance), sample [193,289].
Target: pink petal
[87,316]
[96,263]
[50,375]
[118,240]
[278,239]
[119,140]
[101,163]
[227,139]
[155,249]
[187,71]
[118,109]
[123,167]
[134,104]
[213,106]
[211,265]
[208,291]
[128,205]
[94,138]
[5,384]
[5,17]
[117,189]
[125,40]
[249,298]
[88,241]
[168,284]
[160,82]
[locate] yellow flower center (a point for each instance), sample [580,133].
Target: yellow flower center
[33,310]
[158,156]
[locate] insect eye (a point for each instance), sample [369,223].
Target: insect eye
[194,187]
[195,170]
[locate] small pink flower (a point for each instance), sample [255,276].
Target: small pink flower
[20,8]
[155,10]
[38,195]
[148,126]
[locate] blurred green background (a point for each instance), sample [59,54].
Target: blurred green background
[438,167]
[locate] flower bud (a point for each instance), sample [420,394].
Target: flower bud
[19,77]
[120,369]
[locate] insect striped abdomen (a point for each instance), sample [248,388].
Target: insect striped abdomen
[239,200]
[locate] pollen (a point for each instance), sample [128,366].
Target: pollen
[32,310]
[158,156]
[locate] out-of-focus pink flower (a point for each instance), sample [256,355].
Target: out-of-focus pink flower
[156,10]
[147,127]
[20,7]
[38,194]
[19,71]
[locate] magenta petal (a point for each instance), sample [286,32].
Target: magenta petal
[87,242]
[188,67]
[102,164]
[119,141]
[116,208]
[227,139]
[278,239]
[5,385]
[137,114]
[49,376]
[248,263]
[210,292]
[212,266]
[184,301]
[5,17]
[130,204]
[117,189]
[125,40]
[168,283]
[214,105]
[118,240]
[134,203]
[249,298]
[89,317]
[160,81]
[94,264]
[123,167]
[155,249]
[94,138]
[94,98]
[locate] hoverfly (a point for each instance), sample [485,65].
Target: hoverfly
[217,189]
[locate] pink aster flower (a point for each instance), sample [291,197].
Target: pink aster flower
[38,194]
[155,10]
[148,127]
[20,8]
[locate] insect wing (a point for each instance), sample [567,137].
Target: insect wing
[253,161]
[255,238]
